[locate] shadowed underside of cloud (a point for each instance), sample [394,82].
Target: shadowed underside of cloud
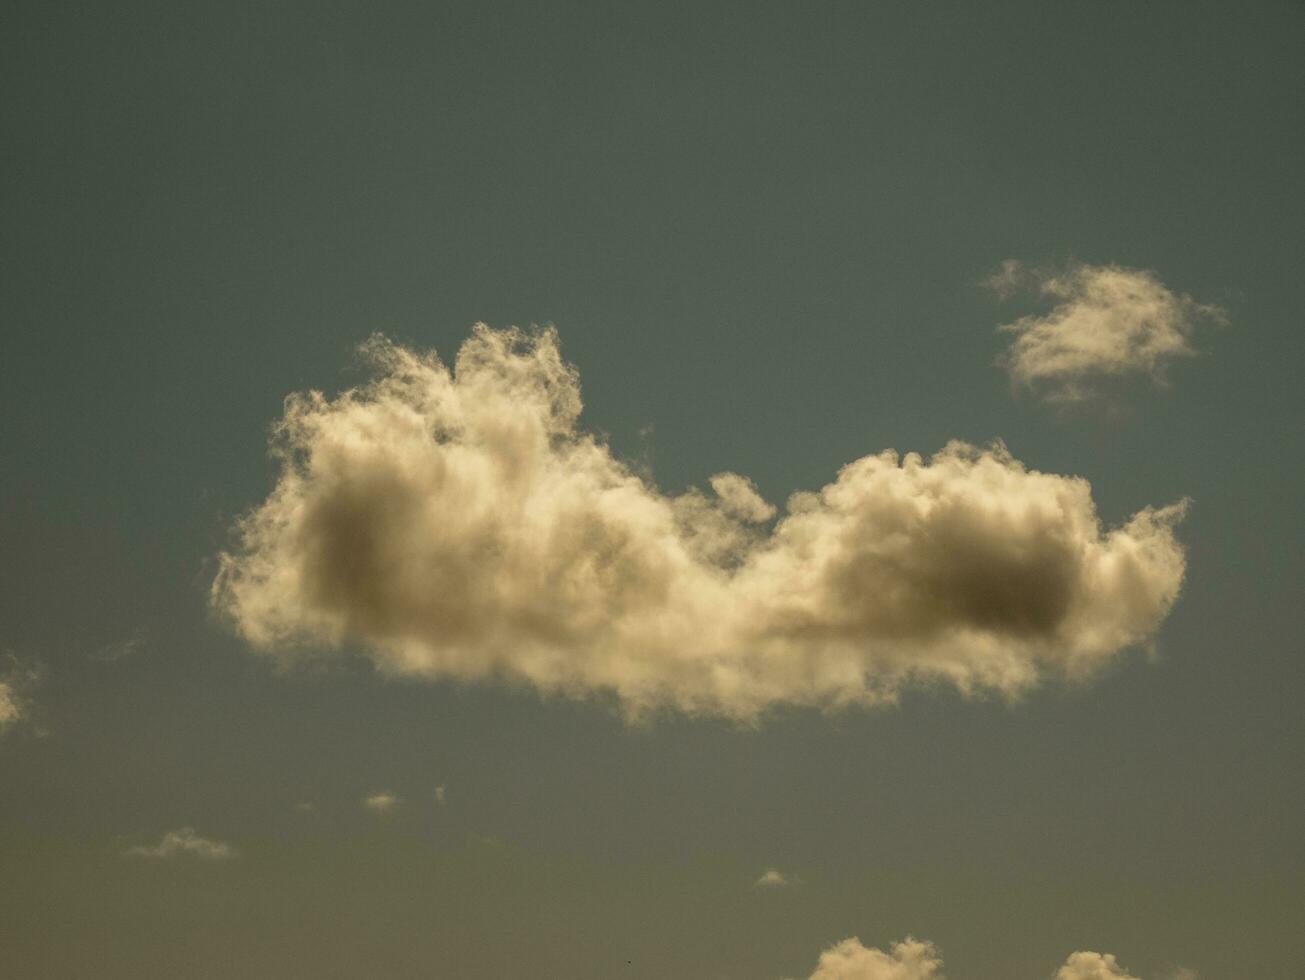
[1108,322]
[460,524]
[912,959]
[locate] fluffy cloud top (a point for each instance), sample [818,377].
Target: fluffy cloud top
[908,960]
[773,878]
[185,843]
[915,960]
[1107,322]
[461,524]
[1092,966]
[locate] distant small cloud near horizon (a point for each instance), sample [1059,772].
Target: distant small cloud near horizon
[461,524]
[772,878]
[913,959]
[184,842]
[382,802]
[440,796]
[1108,323]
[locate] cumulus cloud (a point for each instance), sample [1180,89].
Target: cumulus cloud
[1092,966]
[772,878]
[441,797]
[908,960]
[382,802]
[912,959]
[185,843]
[460,523]
[1107,322]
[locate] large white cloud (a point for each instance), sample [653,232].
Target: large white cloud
[461,524]
[1107,322]
[912,959]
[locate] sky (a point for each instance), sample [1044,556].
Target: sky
[638,490]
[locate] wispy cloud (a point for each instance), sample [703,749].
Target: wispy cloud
[185,842]
[125,648]
[10,708]
[382,802]
[1107,322]
[18,676]
[461,524]
[440,795]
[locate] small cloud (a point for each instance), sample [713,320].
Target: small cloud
[1106,323]
[1092,966]
[123,649]
[775,879]
[908,960]
[185,842]
[382,802]
[10,711]
[17,677]
[440,795]
[912,959]
[306,807]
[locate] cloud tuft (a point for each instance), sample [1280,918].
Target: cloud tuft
[1107,322]
[459,523]
[10,711]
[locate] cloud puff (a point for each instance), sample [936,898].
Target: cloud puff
[1092,966]
[17,678]
[774,879]
[381,802]
[1108,322]
[461,524]
[908,960]
[912,959]
[10,711]
[185,843]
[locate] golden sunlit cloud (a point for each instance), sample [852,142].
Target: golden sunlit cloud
[1107,323]
[461,524]
[912,959]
